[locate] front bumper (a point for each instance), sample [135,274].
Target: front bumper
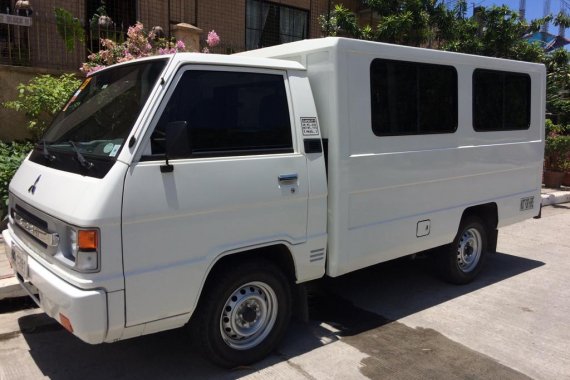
[85,309]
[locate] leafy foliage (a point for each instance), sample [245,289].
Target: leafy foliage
[342,22]
[69,28]
[41,98]
[11,156]
[557,142]
[562,19]
[558,86]
[494,31]
[557,153]
[411,22]
[406,22]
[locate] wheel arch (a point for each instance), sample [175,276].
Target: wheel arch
[489,214]
[278,254]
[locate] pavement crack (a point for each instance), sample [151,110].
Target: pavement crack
[295,366]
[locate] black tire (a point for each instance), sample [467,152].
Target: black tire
[266,292]
[462,260]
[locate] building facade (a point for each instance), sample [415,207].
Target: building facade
[29,32]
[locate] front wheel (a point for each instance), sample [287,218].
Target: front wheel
[244,313]
[462,261]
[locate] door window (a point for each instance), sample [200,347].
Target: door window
[220,113]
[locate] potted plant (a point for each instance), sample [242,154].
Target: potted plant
[23,8]
[556,155]
[100,21]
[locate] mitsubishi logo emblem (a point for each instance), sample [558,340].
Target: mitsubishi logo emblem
[32,188]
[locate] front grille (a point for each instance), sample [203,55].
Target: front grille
[30,217]
[36,229]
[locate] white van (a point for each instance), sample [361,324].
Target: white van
[213,187]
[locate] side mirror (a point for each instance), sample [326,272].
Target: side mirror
[176,135]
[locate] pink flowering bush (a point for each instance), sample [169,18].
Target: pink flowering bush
[138,44]
[213,39]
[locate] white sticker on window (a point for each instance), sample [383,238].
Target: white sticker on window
[309,126]
[108,148]
[115,150]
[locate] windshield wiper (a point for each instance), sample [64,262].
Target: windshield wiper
[47,155]
[86,164]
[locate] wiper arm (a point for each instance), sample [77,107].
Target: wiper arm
[86,164]
[47,155]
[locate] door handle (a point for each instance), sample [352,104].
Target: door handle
[288,177]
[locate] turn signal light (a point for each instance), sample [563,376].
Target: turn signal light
[65,322]
[87,239]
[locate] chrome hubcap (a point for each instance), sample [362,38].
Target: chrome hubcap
[248,315]
[469,250]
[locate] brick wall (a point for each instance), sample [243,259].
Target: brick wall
[227,17]
[153,13]
[40,45]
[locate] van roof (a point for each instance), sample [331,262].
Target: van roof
[341,43]
[236,60]
[223,60]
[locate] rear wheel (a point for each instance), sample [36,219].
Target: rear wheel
[462,261]
[244,313]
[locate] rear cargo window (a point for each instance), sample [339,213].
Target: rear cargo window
[501,100]
[227,114]
[410,98]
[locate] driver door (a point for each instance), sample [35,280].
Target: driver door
[238,180]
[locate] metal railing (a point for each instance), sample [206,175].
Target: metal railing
[35,41]
[14,39]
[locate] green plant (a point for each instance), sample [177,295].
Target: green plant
[558,85]
[69,28]
[41,98]
[340,21]
[552,129]
[101,12]
[557,152]
[494,31]
[11,156]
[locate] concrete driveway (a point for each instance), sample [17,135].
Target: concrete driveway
[395,320]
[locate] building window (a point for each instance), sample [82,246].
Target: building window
[6,6]
[501,100]
[225,113]
[410,98]
[269,24]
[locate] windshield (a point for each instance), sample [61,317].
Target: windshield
[99,116]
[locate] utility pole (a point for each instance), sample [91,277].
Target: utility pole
[564,11]
[522,10]
[546,13]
